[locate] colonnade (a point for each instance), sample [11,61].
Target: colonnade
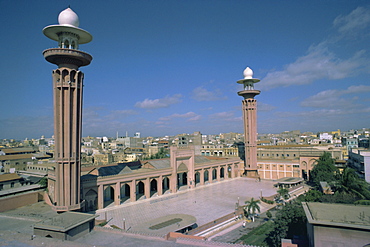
[124,188]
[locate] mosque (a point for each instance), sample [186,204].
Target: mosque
[101,187]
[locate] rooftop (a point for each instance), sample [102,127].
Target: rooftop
[338,215]
[9,177]
[65,221]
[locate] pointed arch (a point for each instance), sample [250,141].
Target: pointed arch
[66,44]
[182,168]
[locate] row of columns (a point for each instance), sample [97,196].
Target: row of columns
[164,181]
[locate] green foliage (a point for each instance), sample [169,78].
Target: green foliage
[311,196]
[289,221]
[339,197]
[362,202]
[267,201]
[284,193]
[348,182]
[162,153]
[43,181]
[252,206]
[324,170]
[269,214]
[257,236]
[115,227]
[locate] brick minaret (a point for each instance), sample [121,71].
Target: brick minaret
[249,107]
[64,182]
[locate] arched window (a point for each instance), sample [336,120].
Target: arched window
[73,45]
[66,44]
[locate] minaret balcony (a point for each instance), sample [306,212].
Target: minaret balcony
[249,93]
[60,56]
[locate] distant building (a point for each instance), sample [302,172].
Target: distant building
[130,142]
[16,159]
[363,142]
[9,181]
[360,161]
[326,137]
[350,143]
[276,162]
[13,183]
[219,150]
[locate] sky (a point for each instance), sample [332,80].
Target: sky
[168,67]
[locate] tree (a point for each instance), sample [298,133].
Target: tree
[349,182]
[289,221]
[284,193]
[269,215]
[251,207]
[312,196]
[43,181]
[162,153]
[324,170]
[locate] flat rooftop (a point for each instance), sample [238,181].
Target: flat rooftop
[65,221]
[338,215]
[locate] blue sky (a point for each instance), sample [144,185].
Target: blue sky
[169,67]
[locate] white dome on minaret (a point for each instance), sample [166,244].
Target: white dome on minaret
[248,73]
[68,18]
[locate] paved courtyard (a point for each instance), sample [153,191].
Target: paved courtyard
[205,203]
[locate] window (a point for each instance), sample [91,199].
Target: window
[1,186]
[12,185]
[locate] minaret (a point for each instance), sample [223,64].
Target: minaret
[249,107]
[64,182]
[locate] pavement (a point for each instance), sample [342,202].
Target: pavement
[205,203]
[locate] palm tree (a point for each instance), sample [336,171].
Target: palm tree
[251,207]
[350,183]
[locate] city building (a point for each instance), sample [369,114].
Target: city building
[360,161]
[276,162]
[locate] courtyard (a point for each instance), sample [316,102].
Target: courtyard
[205,203]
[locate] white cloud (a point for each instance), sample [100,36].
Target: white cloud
[159,103]
[202,94]
[319,63]
[333,99]
[357,20]
[191,116]
[223,115]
